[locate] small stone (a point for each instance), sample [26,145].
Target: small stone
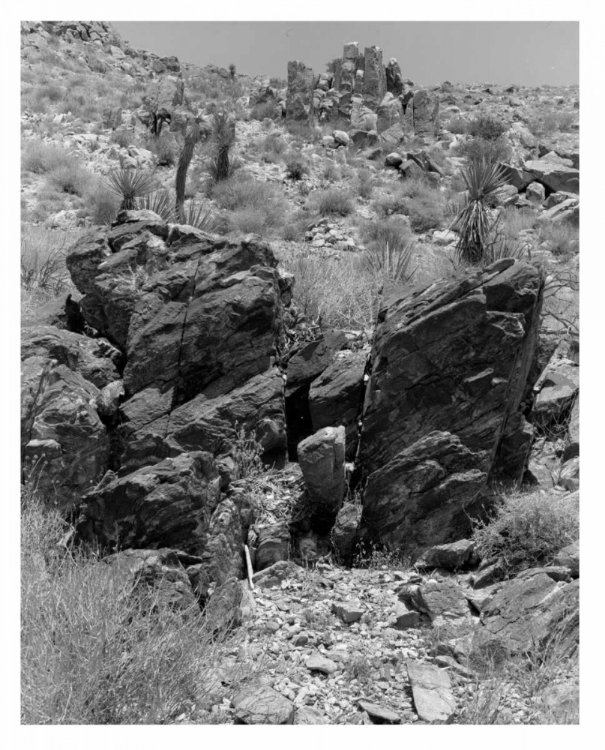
[379,714]
[319,663]
[349,612]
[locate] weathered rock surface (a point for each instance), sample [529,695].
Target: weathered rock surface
[434,412]
[431,688]
[207,424]
[555,175]
[425,108]
[65,446]
[96,360]
[345,531]
[299,102]
[262,705]
[452,556]
[530,609]
[569,556]
[322,461]
[169,503]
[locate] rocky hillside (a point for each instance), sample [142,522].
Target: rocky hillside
[269,377]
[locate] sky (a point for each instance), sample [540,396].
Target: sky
[525,53]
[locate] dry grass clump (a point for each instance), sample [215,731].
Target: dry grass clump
[365,183]
[93,650]
[44,275]
[543,124]
[42,157]
[562,239]
[341,291]
[423,204]
[296,166]
[527,530]
[332,202]
[252,206]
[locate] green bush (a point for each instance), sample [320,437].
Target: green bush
[562,239]
[487,128]
[365,183]
[102,204]
[457,125]
[527,530]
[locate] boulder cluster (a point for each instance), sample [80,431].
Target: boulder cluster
[362,92]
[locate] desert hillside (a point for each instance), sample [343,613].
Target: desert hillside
[300,392]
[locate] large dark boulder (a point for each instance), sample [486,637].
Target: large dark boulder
[450,364]
[168,504]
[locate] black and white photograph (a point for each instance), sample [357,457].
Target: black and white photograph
[299,372]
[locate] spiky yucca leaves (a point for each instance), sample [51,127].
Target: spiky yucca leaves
[482,179]
[129,185]
[191,139]
[199,217]
[223,136]
[390,262]
[161,203]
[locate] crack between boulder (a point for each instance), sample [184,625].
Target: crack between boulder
[178,368]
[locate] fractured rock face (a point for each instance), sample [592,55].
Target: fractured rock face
[322,460]
[374,78]
[299,102]
[425,107]
[65,446]
[169,503]
[434,412]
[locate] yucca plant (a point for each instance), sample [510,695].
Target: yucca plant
[199,217]
[390,262]
[223,136]
[473,224]
[161,203]
[130,185]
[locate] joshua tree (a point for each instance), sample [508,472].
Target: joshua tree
[191,139]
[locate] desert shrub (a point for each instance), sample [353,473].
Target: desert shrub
[70,178]
[333,202]
[365,183]
[164,148]
[331,172]
[303,132]
[102,204]
[416,199]
[296,166]
[253,206]
[42,157]
[43,259]
[274,144]
[457,125]
[487,128]
[263,111]
[562,239]
[514,220]
[393,231]
[341,291]
[527,530]
[220,167]
[123,137]
[390,262]
[480,149]
[95,650]
[549,123]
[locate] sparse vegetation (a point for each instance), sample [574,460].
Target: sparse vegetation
[252,206]
[332,201]
[527,530]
